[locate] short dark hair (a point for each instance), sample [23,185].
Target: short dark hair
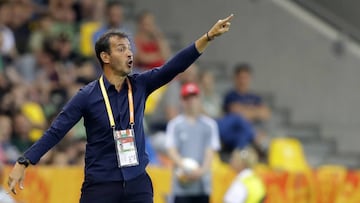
[103,44]
[141,15]
[243,67]
[4,3]
[111,4]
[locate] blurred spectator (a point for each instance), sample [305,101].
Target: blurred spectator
[8,152]
[248,105]
[35,114]
[88,10]
[157,142]
[23,99]
[64,52]
[194,136]
[64,17]
[42,31]
[21,135]
[63,152]
[60,159]
[152,153]
[70,151]
[19,98]
[247,186]
[242,101]
[13,99]
[169,105]
[210,99]
[85,71]
[89,24]
[7,38]
[151,46]
[74,149]
[47,159]
[47,75]
[3,86]
[114,20]
[5,197]
[235,132]
[22,11]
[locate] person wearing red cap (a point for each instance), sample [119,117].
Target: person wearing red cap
[191,140]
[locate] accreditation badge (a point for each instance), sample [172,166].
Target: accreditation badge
[126,148]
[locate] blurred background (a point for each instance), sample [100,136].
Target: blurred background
[295,63]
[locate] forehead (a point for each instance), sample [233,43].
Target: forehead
[243,73]
[116,40]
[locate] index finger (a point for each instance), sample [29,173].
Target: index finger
[228,19]
[12,187]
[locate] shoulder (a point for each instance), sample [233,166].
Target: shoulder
[137,80]
[208,121]
[145,74]
[231,96]
[134,76]
[253,95]
[236,118]
[175,124]
[229,93]
[89,88]
[177,120]
[237,192]
[138,76]
[244,174]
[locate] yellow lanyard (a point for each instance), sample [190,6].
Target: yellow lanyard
[108,106]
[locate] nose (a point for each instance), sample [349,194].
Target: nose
[129,53]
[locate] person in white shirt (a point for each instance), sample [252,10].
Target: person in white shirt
[247,186]
[192,136]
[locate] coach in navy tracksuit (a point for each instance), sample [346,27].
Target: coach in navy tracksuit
[113,110]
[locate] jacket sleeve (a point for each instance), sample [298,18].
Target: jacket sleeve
[158,77]
[67,118]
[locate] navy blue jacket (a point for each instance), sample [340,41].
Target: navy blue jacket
[100,160]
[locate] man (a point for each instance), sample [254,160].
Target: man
[113,110]
[193,136]
[247,186]
[242,101]
[246,113]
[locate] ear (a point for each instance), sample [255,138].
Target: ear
[105,57]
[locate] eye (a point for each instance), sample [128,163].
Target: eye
[121,49]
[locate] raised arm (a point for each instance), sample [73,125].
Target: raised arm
[158,77]
[220,27]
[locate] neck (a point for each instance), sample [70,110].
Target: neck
[207,91]
[242,90]
[116,79]
[191,115]
[240,169]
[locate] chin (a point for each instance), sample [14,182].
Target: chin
[128,71]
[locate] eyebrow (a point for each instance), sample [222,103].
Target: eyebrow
[121,44]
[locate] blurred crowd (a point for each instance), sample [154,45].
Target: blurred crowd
[46,55]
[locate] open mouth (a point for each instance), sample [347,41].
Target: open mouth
[130,63]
